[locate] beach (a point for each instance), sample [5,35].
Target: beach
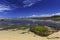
[54,36]
[17,35]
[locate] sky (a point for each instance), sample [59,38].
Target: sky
[29,8]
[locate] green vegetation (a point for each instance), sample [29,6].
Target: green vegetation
[40,30]
[55,18]
[1,19]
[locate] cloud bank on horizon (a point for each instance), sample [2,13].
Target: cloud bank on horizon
[44,15]
[23,8]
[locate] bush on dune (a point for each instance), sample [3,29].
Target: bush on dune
[40,30]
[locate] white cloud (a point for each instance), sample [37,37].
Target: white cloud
[44,15]
[56,14]
[28,3]
[4,8]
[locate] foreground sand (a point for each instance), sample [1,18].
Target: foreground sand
[54,36]
[18,35]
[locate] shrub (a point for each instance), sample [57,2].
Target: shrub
[40,30]
[1,20]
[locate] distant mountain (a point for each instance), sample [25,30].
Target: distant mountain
[55,17]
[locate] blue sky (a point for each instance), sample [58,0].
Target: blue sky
[29,8]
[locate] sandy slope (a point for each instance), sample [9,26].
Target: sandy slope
[54,36]
[16,35]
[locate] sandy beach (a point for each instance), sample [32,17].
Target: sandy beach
[54,36]
[18,35]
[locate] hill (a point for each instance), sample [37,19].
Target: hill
[55,17]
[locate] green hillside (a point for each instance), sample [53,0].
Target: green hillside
[55,17]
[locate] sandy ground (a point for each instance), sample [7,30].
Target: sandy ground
[17,35]
[54,36]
